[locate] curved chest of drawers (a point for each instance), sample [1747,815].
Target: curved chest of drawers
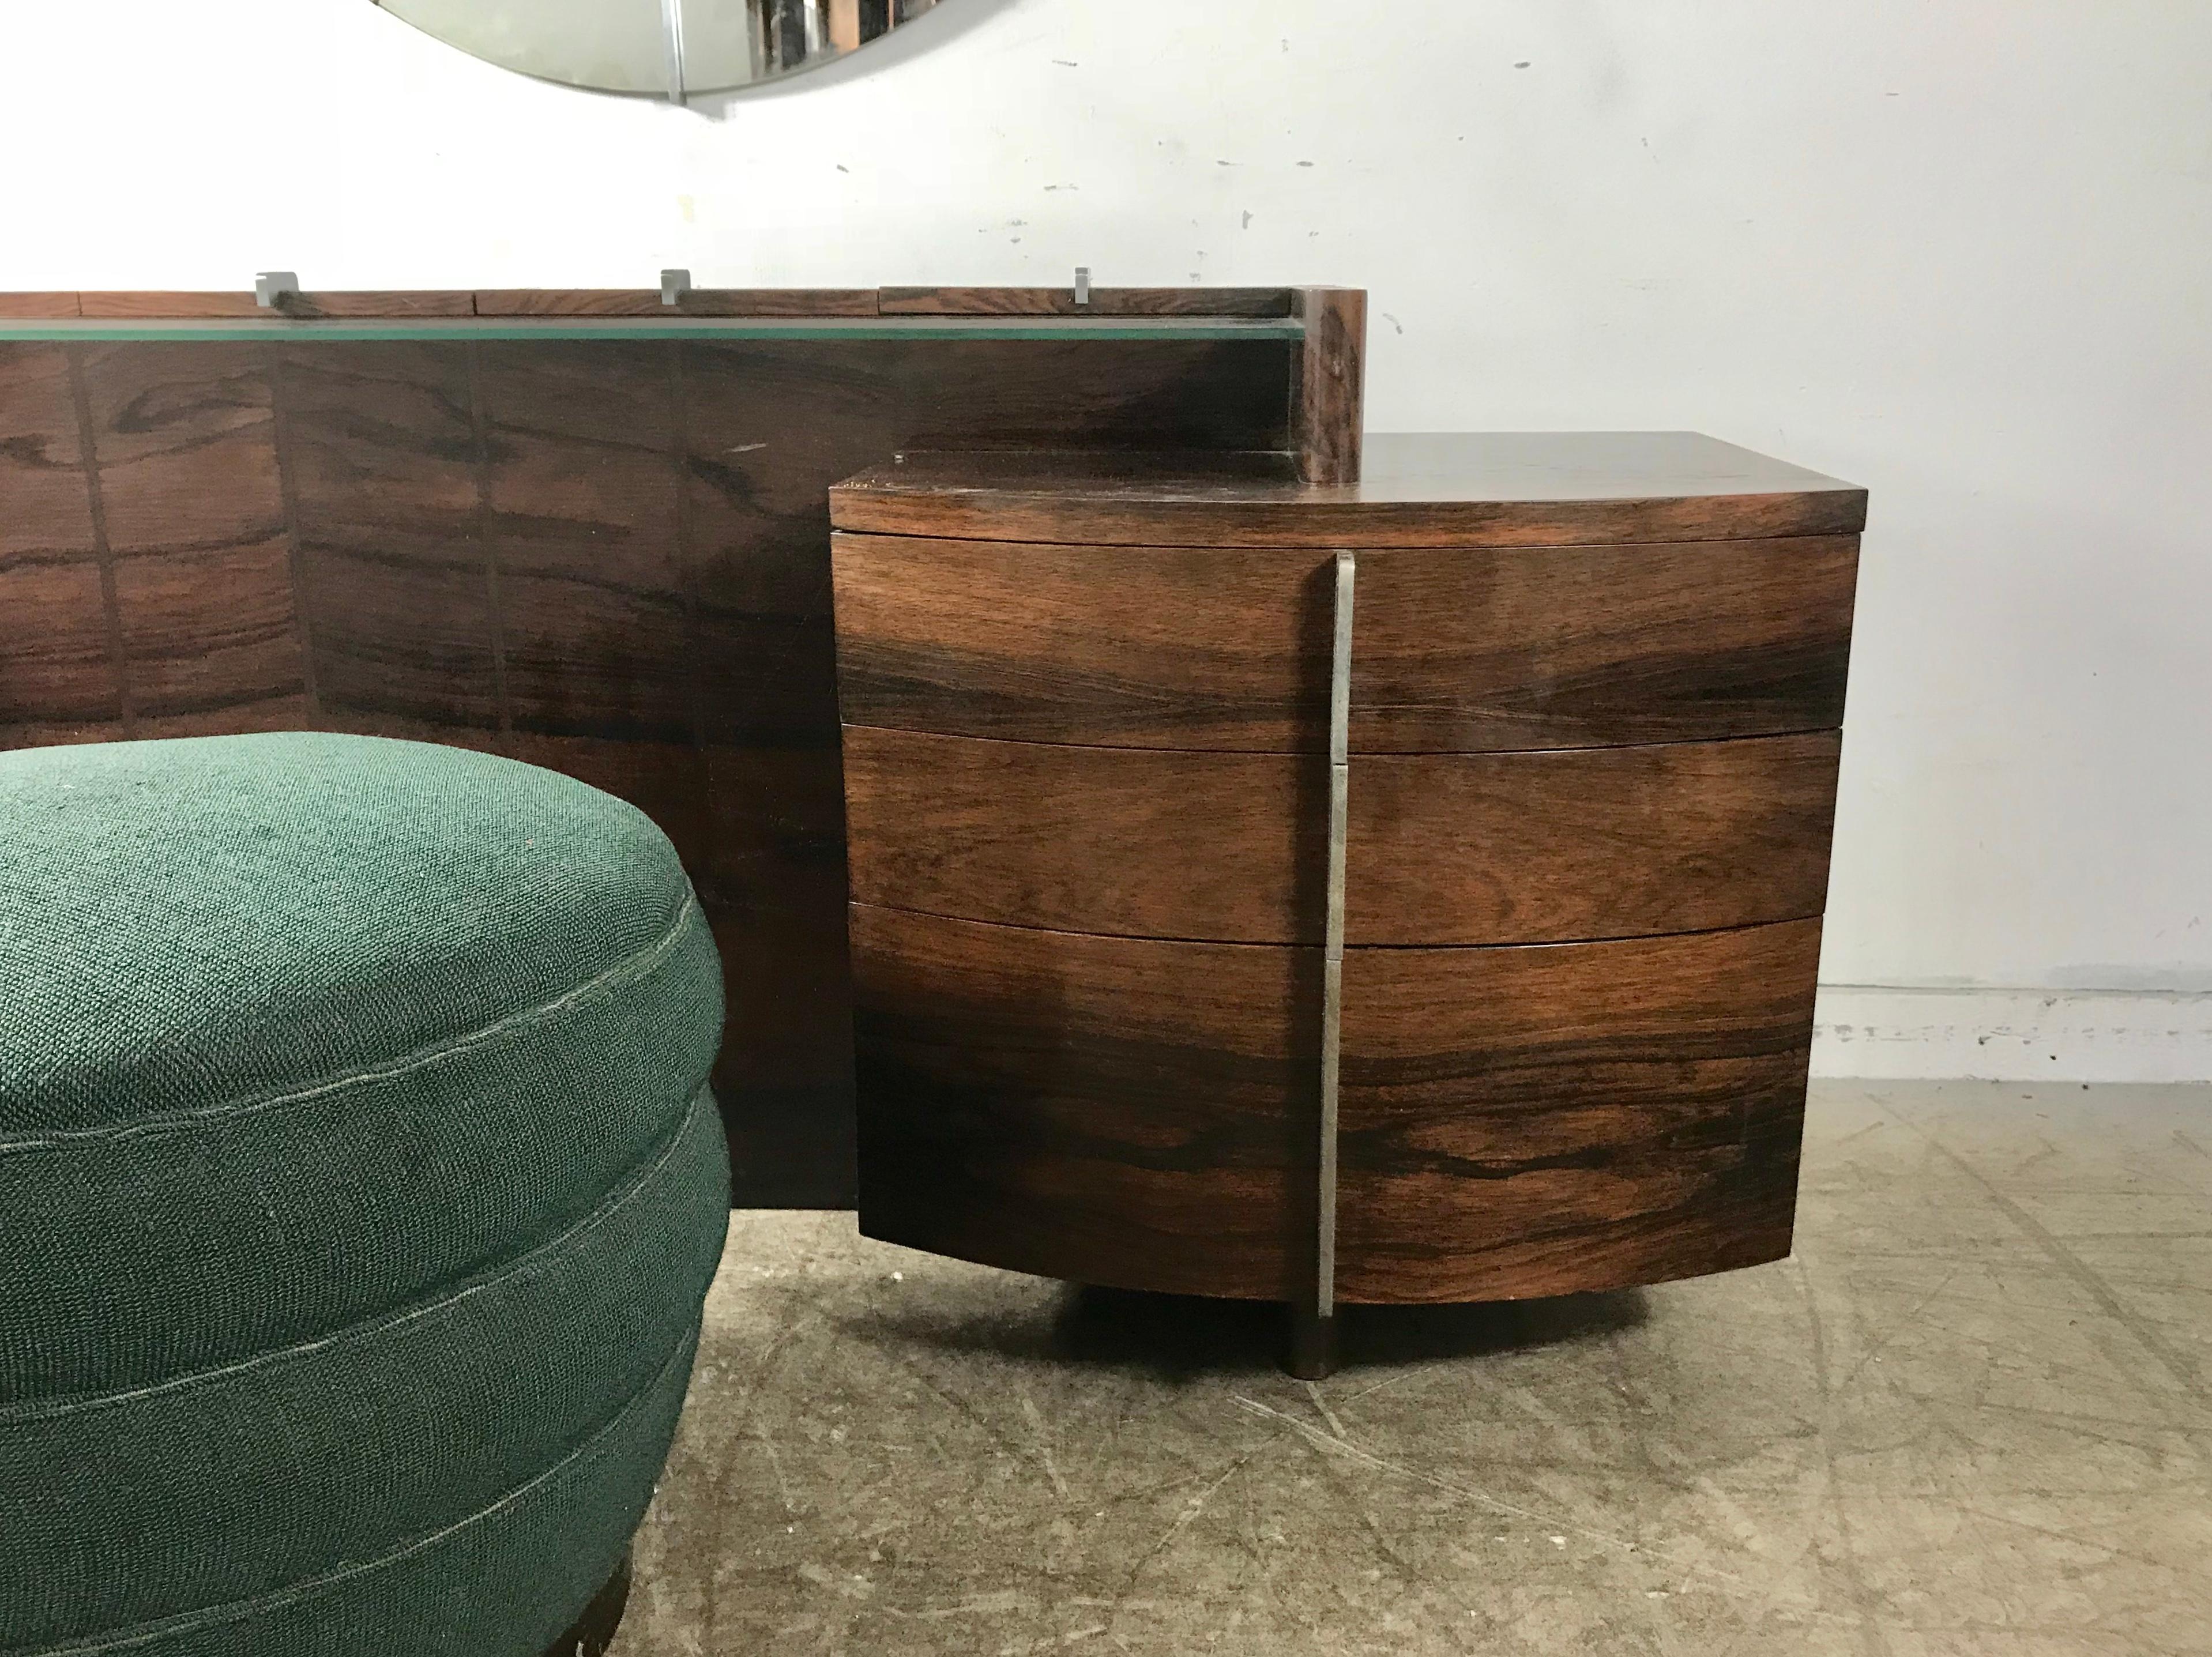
[1596,694]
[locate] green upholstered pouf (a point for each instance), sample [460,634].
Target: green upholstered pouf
[358,1189]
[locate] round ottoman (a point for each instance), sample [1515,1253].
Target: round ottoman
[358,1189]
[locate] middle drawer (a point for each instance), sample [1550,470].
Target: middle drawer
[1547,846]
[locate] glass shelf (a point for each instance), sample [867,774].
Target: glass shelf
[85,330]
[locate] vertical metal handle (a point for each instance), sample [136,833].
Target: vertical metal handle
[1313,1319]
[1339,797]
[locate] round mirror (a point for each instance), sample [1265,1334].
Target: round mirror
[670,48]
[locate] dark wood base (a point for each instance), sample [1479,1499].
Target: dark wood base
[594,1631]
[1313,1345]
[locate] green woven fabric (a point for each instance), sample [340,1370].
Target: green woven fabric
[359,1188]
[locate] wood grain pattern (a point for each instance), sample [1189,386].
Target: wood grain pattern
[771,424]
[1131,843]
[45,513]
[1226,303]
[1585,843]
[1585,647]
[125,304]
[384,452]
[39,307]
[699,302]
[403,637]
[1139,647]
[185,443]
[612,558]
[1516,1121]
[336,303]
[1444,849]
[582,494]
[1327,418]
[773,880]
[1104,301]
[211,639]
[1092,394]
[61,669]
[384,302]
[181,458]
[58,675]
[1415,489]
[377,302]
[1556,1118]
[381,447]
[1457,650]
[767,426]
[1109,1110]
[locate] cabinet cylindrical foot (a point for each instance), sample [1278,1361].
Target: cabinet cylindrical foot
[1313,1345]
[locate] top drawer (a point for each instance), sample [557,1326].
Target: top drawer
[1454,650]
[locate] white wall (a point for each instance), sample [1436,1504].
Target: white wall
[1960,251]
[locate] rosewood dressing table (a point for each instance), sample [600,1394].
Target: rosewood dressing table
[1434,921]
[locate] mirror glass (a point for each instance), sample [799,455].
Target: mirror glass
[668,48]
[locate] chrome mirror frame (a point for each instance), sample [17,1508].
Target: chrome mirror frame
[672,49]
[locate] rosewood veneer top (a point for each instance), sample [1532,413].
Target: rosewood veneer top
[1483,489]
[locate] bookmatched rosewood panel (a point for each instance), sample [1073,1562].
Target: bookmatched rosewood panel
[607,556]
[61,683]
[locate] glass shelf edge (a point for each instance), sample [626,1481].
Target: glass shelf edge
[153,329]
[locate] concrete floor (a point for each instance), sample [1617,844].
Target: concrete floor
[1970,1416]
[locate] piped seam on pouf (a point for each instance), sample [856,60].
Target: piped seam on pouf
[517,1268]
[292,1593]
[632,967]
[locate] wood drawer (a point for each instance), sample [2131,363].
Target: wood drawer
[1132,842]
[1443,849]
[1587,843]
[1111,1110]
[1455,649]
[1521,648]
[1190,647]
[1566,1117]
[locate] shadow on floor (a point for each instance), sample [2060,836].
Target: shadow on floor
[1182,1337]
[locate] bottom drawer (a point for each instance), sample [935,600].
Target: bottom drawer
[1520,1121]
[1570,1116]
[1110,1110]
